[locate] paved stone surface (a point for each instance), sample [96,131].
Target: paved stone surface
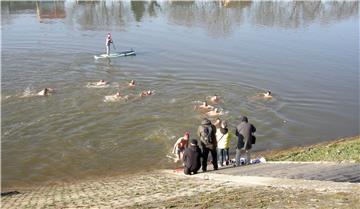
[157,189]
[111,192]
[337,172]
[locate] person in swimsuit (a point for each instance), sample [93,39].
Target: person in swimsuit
[267,94]
[146,93]
[45,92]
[215,99]
[204,106]
[180,145]
[215,112]
[132,83]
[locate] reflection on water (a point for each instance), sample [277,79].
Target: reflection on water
[217,17]
[306,53]
[50,10]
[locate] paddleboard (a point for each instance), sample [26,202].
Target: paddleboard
[116,54]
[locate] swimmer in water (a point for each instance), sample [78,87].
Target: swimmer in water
[45,92]
[215,99]
[217,122]
[100,83]
[204,106]
[117,95]
[146,93]
[267,94]
[132,83]
[215,112]
[114,97]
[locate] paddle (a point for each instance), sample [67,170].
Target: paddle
[113,45]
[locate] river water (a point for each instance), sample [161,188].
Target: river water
[306,53]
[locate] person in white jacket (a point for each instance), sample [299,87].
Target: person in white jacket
[223,141]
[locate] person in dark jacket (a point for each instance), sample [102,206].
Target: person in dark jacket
[244,131]
[191,158]
[207,134]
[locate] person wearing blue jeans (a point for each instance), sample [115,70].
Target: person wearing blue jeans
[223,143]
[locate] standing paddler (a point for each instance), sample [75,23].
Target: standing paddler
[107,43]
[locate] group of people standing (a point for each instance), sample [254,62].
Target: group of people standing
[214,139]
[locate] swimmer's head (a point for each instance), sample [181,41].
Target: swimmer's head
[217,121]
[186,135]
[205,104]
[46,91]
[149,92]
[118,94]
[224,124]
[132,82]
[109,34]
[268,93]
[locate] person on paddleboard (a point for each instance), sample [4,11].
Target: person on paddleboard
[107,43]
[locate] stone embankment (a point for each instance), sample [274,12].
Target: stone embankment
[268,185]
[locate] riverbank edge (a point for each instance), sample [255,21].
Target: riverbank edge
[276,155]
[158,188]
[345,149]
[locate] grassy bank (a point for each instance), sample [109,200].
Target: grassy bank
[259,197]
[345,149]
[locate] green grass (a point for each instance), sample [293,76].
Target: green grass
[258,197]
[347,149]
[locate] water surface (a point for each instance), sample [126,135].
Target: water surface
[306,53]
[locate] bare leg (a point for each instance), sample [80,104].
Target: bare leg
[108,50]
